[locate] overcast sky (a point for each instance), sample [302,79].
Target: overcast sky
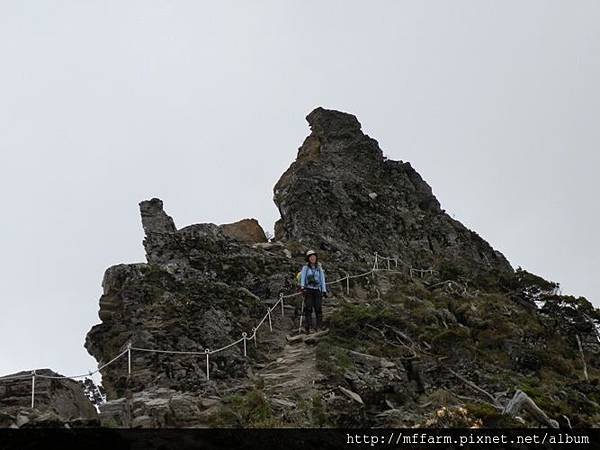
[203,104]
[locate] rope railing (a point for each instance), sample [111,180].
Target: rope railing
[397,260]
[207,351]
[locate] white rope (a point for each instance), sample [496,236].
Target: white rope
[360,274]
[15,377]
[261,321]
[83,375]
[176,352]
[227,346]
[396,260]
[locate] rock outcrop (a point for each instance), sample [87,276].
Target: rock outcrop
[201,288]
[245,230]
[58,402]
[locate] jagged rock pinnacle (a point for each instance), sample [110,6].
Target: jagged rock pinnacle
[342,196]
[154,218]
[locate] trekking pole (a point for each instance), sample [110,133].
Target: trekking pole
[301,316]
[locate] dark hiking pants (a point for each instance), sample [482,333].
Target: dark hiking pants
[312,301]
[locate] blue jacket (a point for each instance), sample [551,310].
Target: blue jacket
[319,275]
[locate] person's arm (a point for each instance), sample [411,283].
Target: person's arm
[323,285]
[302,277]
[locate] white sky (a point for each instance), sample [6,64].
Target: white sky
[107,103]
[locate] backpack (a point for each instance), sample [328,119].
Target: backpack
[297,278]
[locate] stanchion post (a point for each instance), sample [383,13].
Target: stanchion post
[32,388]
[347,283]
[254,330]
[244,336]
[269,314]
[129,359]
[281,300]
[207,351]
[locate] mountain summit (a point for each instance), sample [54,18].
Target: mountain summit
[343,196]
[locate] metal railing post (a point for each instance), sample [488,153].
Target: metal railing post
[269,314]
[347,283]
[32,388]
[129,359]
[244,336]
[207,351]
[282,308]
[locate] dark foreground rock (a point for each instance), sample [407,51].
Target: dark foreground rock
[58,403]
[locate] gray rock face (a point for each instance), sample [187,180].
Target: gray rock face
[342,196]
[157,408]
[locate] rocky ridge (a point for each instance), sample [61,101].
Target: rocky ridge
[456,344]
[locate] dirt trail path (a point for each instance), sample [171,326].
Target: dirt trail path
[290,377]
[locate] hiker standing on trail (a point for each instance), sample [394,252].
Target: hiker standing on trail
[312,285]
